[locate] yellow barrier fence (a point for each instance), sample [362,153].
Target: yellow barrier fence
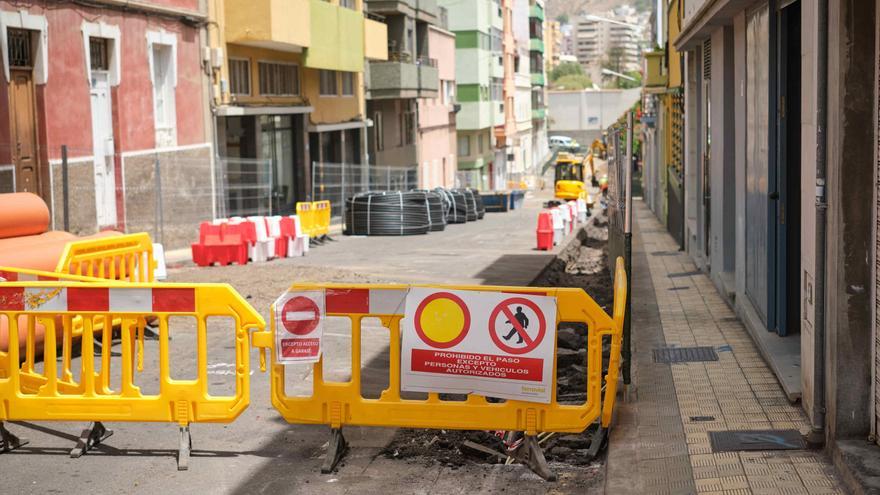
[105,387]
[306,214]
[322,217]
[341,403]
[126,257]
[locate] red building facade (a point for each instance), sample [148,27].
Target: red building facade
[122,86]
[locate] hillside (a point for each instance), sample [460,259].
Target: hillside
[555,8]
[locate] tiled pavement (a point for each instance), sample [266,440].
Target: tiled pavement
[656,447]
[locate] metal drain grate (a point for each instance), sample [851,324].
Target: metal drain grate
[732,441]
[684,274]
[684,354]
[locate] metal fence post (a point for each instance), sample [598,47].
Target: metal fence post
[65,188]
[159,227]
[627,252]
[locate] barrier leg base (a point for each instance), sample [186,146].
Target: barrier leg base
[90,438]
[597,442]
[9,441]
[184,449]
[337,449]
[530,454]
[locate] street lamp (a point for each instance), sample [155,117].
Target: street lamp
[609,72]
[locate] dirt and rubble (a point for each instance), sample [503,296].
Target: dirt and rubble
[583,264]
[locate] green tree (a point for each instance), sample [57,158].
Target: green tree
[566,69]
[614,59]
[627,84]
[572,81]
[562,18]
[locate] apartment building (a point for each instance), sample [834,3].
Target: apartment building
[288,93]
[538,43]
[552,44]
[615,38]
[395,86]
[479,76]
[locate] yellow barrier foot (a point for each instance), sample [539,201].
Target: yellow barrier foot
[9,441]
[530,454]
[89,438]
[185,448]
[336,450]
[597,442]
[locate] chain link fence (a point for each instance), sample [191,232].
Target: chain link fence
[337,181]
[165,193]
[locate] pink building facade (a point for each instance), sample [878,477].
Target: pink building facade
[123,89]
[437,137]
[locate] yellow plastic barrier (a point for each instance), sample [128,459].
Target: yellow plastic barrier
[306,214]
[337,404]
[32,389]
[321,217]
[126,257]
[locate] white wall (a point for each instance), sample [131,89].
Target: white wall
[588,110]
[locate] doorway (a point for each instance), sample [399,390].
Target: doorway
[102,133]
[23,113]
[788,173]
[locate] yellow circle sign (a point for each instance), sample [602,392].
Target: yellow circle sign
[442,320]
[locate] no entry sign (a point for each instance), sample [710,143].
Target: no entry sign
[489,343]
[299,326]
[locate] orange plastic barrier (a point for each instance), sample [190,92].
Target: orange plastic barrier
[40,252]
[22,214]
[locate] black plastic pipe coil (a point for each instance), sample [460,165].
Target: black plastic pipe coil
[470,204]
[436,208]
[457,211]
[387,213]
[478,199]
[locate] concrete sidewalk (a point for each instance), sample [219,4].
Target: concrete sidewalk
[660,442]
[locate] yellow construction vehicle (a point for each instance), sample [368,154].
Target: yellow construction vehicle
[570,171]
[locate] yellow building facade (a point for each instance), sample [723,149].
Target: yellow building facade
[288,91]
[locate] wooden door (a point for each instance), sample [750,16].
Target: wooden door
[22,111]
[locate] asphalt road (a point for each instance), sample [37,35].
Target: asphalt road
[259,452]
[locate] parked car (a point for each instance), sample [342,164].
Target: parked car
[563,143]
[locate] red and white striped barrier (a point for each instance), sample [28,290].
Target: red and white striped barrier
[98,299]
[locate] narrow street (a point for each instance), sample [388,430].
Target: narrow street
[260,452]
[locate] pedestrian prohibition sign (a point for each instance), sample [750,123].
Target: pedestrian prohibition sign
[299,318]
[511,324]
[493,344]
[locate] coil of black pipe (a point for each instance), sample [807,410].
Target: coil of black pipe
[478,199]
[392,213]
[457,212]
[470,204]
[436,209]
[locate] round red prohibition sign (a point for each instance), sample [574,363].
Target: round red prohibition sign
[506,308]
[446,322]
[300,315]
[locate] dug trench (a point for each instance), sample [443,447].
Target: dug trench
[583,263]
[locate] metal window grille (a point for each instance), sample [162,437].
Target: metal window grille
[707,59]
[20,49]
[278,79]
[240,77]
[99,53]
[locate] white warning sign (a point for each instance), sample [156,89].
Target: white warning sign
[488,343]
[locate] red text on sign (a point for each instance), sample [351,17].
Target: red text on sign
[298,348]
[481,365]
